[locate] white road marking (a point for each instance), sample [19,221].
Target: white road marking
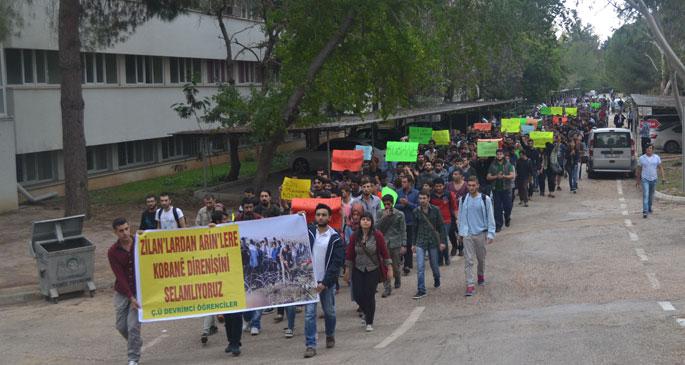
[153,342]
[622,199]
[408,323]
[625,212]
[641,254]
[628,223]
[681,322]
[619,187]
[623,206]
[667,306]
[633,236]
[653,280]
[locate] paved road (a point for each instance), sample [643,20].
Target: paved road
[576,279]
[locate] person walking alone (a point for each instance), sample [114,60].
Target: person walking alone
[647,177]
[367,259]
[393,227]
[477,227]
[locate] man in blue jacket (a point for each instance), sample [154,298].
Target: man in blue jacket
[407,201]
[328,257]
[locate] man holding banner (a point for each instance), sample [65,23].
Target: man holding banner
[120,257]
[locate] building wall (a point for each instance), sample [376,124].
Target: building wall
[8,177]
[189,35]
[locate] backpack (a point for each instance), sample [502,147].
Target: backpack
[173,210]
[485,202]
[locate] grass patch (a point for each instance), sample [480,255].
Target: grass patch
[181,184]
[674,176]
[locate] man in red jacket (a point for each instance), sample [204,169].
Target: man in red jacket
[121,257]
[446,202]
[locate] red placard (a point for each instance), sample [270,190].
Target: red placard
[351,160]
[485,127]
[556,120]
[308,205]
[564,120]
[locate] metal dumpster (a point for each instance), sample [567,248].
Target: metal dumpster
[64,257]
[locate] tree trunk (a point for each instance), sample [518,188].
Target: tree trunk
[227,44]
[292,106]
[233,142]
[73,138]
[679,108]
[266,156]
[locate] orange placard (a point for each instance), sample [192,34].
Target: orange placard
[308,205]
[351,160]
[532,121]
[556,120]
[485,127]
[564,120]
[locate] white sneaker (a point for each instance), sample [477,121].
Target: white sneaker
[131,362]
[369,328]
[245,327]
[363,322]
[288,333]
[254,331]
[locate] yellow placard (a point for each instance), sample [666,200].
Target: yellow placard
[511,125]
[441,137]
[295,188]
[190,272]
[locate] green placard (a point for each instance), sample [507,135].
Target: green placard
[402,151]
[596,106]
[545,110]
[487,148]
[420,134]
[511,125]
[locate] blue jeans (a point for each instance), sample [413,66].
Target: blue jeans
[573,177]
[421,266]
[648,188]
[502,200]
[290,314]
[327,299]
[254,317]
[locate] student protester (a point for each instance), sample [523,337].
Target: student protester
[147,218]
[477,227]
[548,171]
[121,257]
[647,177]
[429,238]
[367,259]
[459,188]
[168,216]
[407,200]
[394,229]
[253,319]
[572,158]
[524,172]
[248,193]
[446,202]
[204,215]
[328,257]
[371,202]
[502,174]
[426,176]
[232,321]
[266,208]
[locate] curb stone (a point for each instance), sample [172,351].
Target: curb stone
[669,198]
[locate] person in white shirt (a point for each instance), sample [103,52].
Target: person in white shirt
[646,176]
[169,217]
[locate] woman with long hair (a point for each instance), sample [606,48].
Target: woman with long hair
[368,263]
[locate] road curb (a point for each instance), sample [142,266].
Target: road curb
[27,294]
[669,198]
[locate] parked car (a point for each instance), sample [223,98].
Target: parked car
[668,138]
[305,161]
[381,137]
[611,150]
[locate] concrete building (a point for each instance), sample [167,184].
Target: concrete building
[128,91]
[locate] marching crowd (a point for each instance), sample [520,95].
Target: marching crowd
[450,202]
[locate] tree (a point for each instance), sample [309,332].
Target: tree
[10,19]
[632,61]
[102,23]
[581,58]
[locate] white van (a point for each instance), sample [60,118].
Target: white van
[611,150]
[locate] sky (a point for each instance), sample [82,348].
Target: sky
[598,13]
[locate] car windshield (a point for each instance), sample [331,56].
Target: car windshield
[612,140]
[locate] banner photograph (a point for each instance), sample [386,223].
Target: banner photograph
[234,267]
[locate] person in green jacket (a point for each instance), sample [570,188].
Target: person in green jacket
[429,238]
[394,229]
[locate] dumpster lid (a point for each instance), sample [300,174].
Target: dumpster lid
[57,229]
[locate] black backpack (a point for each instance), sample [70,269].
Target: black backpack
[485,202]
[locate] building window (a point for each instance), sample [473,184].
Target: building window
[36,167]
[216,71]
[136,153]
[185,70]
[179,147]
[13,65]
[144,70]
[217,144]
[2,83]
[98,158]
[96,68]
[244,9]
[54,74]
[248,73]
